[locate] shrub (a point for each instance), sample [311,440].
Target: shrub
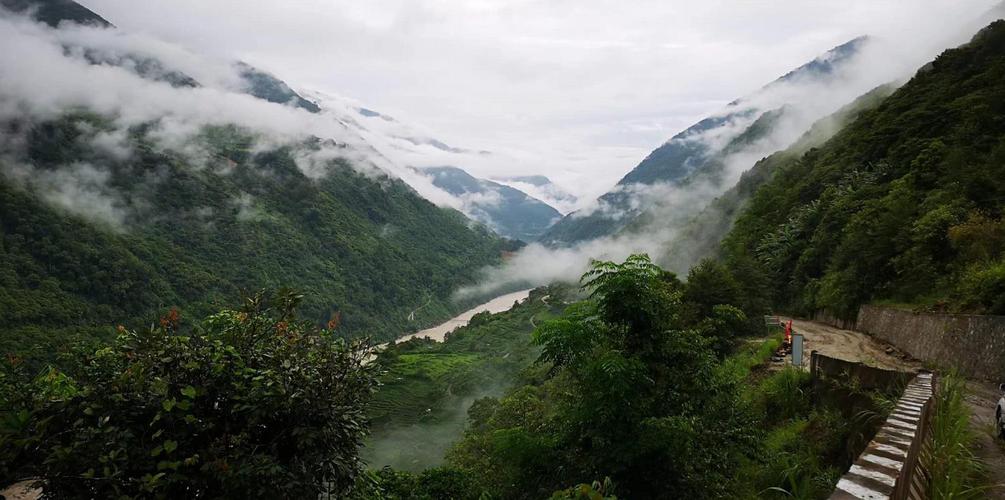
[982,287]
[253,403]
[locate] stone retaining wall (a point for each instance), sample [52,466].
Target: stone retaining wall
[971,343]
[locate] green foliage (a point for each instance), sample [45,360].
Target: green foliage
[420,375]
[880,211]
[633,393]
[738,365]
[594,491]
[955,471]
[785,394]
[430,484]
[427,387]
[196,233]
[252,403]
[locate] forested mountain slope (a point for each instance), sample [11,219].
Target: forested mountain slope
[696,158]
[367,249]
[702,235]
[53,12]
[905,204]
[507,210]
[127,187]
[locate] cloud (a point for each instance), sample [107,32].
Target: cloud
[48,72]
[667,208]
[79,187]
[552,194]
[578,90]
[516,79]
[246,209]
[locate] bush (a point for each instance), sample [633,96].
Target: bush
[253,404]
[983,287]
[430,484]
[786,394]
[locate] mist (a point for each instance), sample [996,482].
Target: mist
[660,211]
[49,72]
[424,445]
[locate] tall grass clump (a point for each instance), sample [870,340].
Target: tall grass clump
[956,472]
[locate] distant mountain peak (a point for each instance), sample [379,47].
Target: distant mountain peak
[507,210]
[700,153]
[827,62]
[54,12]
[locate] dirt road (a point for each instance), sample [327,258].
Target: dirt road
[851,346]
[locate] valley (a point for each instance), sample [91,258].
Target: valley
[221,277]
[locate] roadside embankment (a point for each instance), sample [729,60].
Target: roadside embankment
[973,344]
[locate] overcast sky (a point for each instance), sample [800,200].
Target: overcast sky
[580,90]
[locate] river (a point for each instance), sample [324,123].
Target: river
[439,332]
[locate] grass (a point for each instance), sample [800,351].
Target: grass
[414,383]
[737,366]
[433,366]
[956,472]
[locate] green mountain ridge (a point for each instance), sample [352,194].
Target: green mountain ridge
[904,204]
[702,235]
[365,250]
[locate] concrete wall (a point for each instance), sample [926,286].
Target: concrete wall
[825,317]
[973,344]
[865,376]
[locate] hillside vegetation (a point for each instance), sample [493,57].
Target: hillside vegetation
[702,235]
[651,387]
[903,205]
[173,231]
[253,403]
[427,387]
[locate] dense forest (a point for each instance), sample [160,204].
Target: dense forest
[903,205]
[194,235]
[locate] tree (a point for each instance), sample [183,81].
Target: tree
[253,403]
[633,395]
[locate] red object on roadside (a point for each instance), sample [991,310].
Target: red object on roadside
[788,332]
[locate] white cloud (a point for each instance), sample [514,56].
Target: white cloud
[80,188]
[579,90]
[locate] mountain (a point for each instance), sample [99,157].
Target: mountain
[543,189]
[124,193]
[905,204]
[508,211]
[253,81]
[54,12]
[711,153]
[701,236]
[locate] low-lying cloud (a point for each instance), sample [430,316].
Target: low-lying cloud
[667,207]
[50,72]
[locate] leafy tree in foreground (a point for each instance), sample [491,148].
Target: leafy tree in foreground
[634,395]
[253,403]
